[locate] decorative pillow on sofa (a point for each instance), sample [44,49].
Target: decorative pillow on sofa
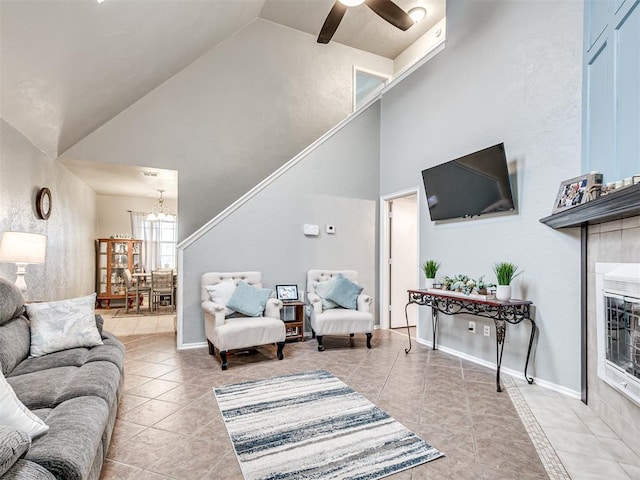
[322,288]
[344,292]
[62,325]
[221,293]
[14,414]
[248,300]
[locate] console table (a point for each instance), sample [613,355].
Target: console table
[513,311]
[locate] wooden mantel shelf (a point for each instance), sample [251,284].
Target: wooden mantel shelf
[617,205]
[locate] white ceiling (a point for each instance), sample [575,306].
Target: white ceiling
[69,66]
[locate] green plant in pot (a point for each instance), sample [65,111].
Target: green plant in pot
[430,269]
[505,273]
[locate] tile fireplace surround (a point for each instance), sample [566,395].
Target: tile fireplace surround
[612,242]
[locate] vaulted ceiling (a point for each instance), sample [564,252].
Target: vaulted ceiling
[69,66]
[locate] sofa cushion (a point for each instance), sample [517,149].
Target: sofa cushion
[56,385]
[26,470]
[111,351]
[62,325]
[221,293]
[14,444]
[344,292]
[11,301]
[14,343]
[249,300]
[74,438]
[13,413]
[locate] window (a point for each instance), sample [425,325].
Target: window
[365,85]
[159,238]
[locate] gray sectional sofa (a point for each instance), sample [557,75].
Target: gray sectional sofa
[75,392]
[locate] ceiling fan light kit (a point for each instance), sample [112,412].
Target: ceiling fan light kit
[386,9]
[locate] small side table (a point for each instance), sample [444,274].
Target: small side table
[294,327]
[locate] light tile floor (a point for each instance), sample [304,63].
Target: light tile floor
[169,392]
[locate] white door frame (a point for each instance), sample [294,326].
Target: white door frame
[383,313]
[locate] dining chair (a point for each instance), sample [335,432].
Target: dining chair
[162,287]
[135,291]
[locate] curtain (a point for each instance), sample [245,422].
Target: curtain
[158,241]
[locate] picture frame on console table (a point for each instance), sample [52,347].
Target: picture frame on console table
[287,293]
[576,191]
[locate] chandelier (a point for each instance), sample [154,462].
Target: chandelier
[159,213]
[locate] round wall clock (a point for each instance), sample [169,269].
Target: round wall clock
[43,203]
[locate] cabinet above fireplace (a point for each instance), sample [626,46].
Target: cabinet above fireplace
[616,205]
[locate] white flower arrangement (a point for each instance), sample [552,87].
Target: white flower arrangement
[463,283]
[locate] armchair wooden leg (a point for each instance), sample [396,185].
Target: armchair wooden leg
[223,359]
[212,350]
[280,348]
[351,339]
[313,333]
[320,346]
[368,340]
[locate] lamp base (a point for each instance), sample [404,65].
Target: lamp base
[20,273]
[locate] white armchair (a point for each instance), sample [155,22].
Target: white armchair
[337,321]
[231,331]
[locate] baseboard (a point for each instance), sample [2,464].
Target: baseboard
[190,346]
[509,371]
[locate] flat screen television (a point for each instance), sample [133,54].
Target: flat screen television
[475,184]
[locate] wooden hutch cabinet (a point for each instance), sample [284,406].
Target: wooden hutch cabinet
[113,256]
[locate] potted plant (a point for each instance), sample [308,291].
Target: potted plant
[505,273]
[430,269]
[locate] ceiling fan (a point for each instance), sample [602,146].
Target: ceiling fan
[386,9]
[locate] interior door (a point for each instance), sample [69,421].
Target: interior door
[403,264]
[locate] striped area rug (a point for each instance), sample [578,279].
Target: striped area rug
[313,426]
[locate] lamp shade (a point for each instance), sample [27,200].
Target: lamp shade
[20,247]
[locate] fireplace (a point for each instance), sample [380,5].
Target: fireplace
[618,326]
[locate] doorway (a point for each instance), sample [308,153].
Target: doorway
[399,258]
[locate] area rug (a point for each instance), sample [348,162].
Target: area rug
[313,426]
[122,313]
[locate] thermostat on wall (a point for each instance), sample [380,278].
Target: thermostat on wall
[311,230]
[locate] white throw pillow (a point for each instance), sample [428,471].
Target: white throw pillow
[322,289]
[63,325]
[221,293]
[14,414]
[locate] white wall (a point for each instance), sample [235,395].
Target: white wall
[69,268]
[511,73]
[234,116]
[337,184]
[113,212]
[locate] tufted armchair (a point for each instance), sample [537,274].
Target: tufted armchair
[227,330]
[337,321]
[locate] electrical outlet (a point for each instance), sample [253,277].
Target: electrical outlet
[472,327]
[487,331]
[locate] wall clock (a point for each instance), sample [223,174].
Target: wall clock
[43,203]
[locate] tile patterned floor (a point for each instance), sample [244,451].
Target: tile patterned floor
[169,426]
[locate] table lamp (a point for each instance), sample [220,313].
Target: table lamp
[22,249]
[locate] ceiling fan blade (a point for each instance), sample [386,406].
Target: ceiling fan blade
[331,23]
[392,13]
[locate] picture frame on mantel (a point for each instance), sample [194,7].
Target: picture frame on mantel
[576,191]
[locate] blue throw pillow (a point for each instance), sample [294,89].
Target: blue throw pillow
[248,300]
[344,292]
